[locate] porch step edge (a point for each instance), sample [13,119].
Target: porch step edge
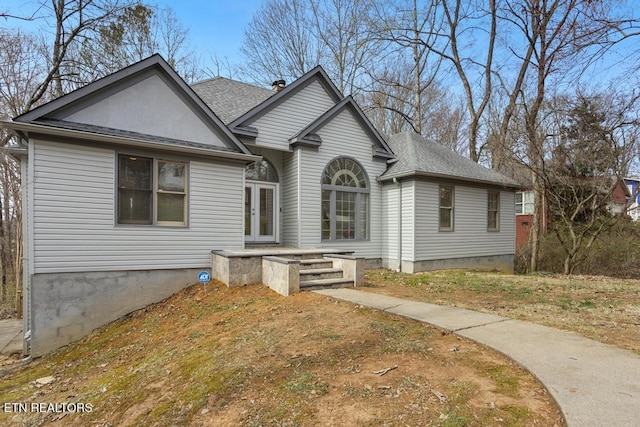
[325,283]
[314,261]
[312,271]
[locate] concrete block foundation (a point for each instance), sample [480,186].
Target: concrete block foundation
[68,306]
[504,263]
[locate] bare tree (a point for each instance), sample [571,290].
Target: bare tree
[20,74]
[133,34]
[590,151]
[407,28]
[390,104]
[559,35]
[279,42]
[72,20]
[221,66]
[343,29]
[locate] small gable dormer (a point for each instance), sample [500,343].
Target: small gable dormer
[293,107]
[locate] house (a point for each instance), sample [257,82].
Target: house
[620,198]
[524,216]
[618,203]
[633,189]
[131,182]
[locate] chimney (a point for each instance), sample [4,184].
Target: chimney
[278,85]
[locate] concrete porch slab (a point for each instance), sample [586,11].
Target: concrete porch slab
[280,252]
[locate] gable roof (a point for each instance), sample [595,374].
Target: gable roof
[41,115]
[417,156]
[308,136]
[279,97]
[230,99]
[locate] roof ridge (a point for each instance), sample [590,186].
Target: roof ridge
[230,80]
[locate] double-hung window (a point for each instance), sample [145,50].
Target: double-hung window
[493,211]
[524,203]
[151,191]
[446,208]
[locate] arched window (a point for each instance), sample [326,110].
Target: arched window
[261,170]
[345,201]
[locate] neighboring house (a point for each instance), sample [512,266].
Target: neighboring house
[620,198]
[617,205]
[633,187]
[130,182]
[524,216]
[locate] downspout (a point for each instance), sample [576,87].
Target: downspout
[27,177]
[399,184]
[298,154]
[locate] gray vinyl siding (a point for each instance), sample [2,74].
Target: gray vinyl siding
[151,107]
[290,190]
[342,136]
[390,221]
[285,120]
[470,237]
[409,223]
[390,225]
[74,215]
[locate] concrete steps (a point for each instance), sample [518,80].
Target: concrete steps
[285,269]
[319,273]
[313,263]
[311,285]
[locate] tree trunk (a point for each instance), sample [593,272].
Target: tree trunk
[536,232]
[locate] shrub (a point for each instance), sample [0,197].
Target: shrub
[616,253]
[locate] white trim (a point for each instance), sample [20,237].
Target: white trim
[255,236]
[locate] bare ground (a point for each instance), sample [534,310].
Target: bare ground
[216,356]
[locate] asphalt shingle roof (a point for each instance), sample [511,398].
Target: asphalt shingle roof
[230,99]
[416,155]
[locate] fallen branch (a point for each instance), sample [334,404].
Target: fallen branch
[381,372]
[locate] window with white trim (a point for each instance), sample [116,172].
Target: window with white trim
[446,208]
[151,191]
[524,203]
[345,201]
[493,211]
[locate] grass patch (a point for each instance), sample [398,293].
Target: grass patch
[307,384]
[506,380]
[587,304]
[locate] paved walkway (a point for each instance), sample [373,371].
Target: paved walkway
[594,384]
[10,336]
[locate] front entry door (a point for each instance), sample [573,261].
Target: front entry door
[260,212]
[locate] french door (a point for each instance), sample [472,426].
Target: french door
[260,212]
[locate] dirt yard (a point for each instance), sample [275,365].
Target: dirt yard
[246,356]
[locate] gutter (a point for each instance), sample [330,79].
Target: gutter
[394,177]
[131,142]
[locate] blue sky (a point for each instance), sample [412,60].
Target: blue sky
[213,24]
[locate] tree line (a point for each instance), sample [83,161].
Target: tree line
[524,86]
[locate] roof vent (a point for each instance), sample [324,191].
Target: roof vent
[278,85]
